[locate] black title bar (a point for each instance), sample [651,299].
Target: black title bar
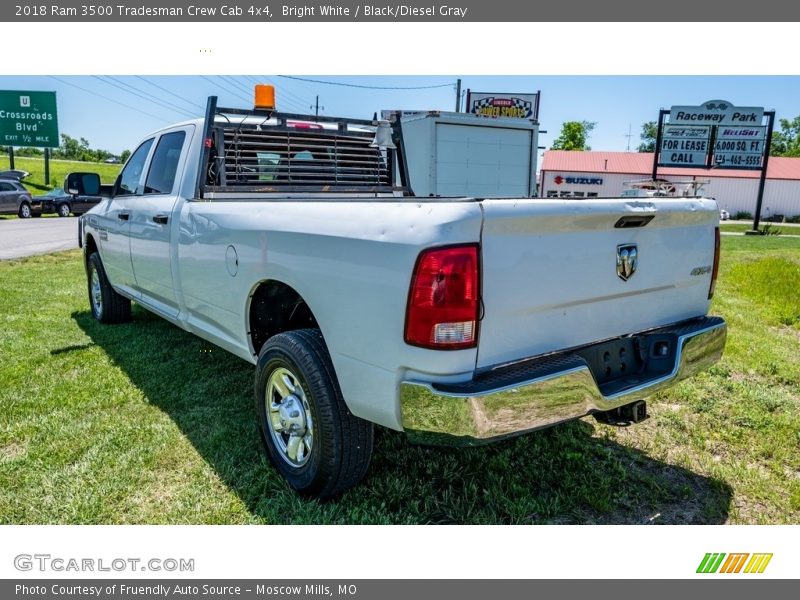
[255,11]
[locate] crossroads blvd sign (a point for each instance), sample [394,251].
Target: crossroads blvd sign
[28,119]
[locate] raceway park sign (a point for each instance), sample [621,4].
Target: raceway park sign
[716,112]
[28,119]
[515,106]
[714,134]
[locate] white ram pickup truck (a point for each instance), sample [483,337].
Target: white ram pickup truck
[285,240]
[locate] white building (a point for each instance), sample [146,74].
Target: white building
[603,174]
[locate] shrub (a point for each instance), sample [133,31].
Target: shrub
[770,229]
[743,215]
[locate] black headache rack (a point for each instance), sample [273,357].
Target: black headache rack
[262,151]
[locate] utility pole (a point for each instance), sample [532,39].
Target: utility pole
[316,106]
[629,137]
[458,95]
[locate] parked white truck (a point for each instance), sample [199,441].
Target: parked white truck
[285,240]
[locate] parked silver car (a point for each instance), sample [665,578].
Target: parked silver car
[14,199]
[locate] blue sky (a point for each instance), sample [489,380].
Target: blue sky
[114,112]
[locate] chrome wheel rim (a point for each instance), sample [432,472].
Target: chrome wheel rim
[63,210]
[26,211]
[289,418]
[96,293]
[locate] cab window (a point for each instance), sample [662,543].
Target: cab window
[164,166]
[132,173]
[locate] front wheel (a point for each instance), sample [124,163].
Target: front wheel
[63,210]
[309,434]
[107,305]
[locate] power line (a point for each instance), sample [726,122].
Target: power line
[224,89]
[371,87]
[235,83]
[98,95]
[178,96]
[136,92]
[308,88]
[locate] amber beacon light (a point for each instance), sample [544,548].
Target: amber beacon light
[265,97]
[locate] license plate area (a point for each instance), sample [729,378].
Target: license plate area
[630,361]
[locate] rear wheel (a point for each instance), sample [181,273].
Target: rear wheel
[107,305]
[63,210]
[24,211]
[309,434]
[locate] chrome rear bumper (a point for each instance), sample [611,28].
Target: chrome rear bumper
[538,393]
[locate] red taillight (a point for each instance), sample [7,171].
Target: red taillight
[444,299]
[715,270]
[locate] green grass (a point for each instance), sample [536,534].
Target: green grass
[783,228]
[58,171]
[144,423]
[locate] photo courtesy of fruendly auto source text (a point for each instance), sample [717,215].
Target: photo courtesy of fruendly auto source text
[299,268]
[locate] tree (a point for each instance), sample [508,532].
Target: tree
[574,135]
[648,137]
[786,142]
[78,149]
[125,155]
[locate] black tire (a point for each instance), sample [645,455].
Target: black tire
[63,210]
[342,443]
[24,211]
[112,307]
[36,215]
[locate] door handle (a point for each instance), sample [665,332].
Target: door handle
[123,216]
[161,219]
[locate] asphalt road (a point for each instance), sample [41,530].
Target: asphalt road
[26,237]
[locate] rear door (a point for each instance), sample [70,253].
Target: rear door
[8,198]
[551,271]
[150,222]
[484,162]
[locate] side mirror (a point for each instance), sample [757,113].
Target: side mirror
[82,184]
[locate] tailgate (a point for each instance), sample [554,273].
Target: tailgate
[550,274]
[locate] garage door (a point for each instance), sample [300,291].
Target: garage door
[488,162]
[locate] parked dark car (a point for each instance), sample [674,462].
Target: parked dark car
[14,198]
[17,174]
[60,202]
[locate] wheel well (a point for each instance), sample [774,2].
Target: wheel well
[274,308]
[91,247]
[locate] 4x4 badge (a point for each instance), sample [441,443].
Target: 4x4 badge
[627,259]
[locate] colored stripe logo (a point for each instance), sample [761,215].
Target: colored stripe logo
[719,562]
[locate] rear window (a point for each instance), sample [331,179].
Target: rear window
[164,166]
